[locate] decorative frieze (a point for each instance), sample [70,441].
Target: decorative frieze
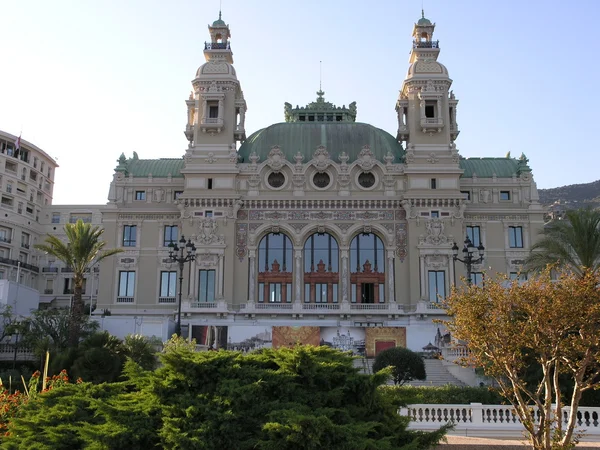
[320,215]
[241,240]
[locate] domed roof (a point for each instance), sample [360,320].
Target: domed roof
[219,22]
[305,137]
[215,67]
[424,22]
[426,67]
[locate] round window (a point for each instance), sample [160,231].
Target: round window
[366,179]
[276,179]
[321,180]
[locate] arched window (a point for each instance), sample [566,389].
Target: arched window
[275,269]
[367,269]
[321,275]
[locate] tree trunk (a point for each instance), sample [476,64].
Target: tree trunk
[76,315]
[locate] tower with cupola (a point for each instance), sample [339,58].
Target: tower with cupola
[216,112]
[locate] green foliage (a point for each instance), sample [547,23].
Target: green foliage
[301,398]
[406,364]
[573,243]
[83,249]
[141,350]
[448,395]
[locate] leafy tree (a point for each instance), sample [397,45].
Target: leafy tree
[300,398]
[554,324]
[82,250]
[406,364]
[48,330]
[141,350]
[572,243]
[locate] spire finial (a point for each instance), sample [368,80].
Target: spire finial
[320,74]
[422,14]
[220,7]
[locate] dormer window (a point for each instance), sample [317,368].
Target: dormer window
[213,110]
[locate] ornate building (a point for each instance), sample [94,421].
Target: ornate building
[318,222]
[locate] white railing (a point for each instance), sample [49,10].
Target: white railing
[327,306]
[162,300]
[453,353]
[203,305]
[479,420]
[273,306]
[125,299]
[370,306]
[434,305]
[8,353]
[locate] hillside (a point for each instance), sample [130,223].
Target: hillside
[574,195]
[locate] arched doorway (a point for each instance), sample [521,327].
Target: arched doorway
[321,269]
[275,266]
[367,269]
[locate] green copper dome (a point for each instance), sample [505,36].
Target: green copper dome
[219,22]
[423,21]
[337,137]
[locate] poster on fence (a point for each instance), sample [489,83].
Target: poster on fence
[291,336]
[344,338]
[246,338]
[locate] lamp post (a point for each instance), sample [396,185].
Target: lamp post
[469,257]
[186,252]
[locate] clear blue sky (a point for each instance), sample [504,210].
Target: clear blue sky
[86,80]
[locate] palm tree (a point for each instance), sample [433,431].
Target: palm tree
[572,243]
[82,250]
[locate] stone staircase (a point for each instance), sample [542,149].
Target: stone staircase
[437,374]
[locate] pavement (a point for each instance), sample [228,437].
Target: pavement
[471,443]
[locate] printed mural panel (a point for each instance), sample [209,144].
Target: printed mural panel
[344,339]
[210,336]
[290,336]
[380,338]
[249,337]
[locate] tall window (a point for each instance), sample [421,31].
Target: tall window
[129,235]
[140,195]
[515,237]
[521,276]
[168,282]
[367,269]
[275,269]
[170,235]
[437,285]
[126,283]
[206,288]
[321,276]
[477,278]
[474,234]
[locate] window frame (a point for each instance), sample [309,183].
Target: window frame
[171,279]
[471,236]
[434,297]
[140,196]
[128,283]
[508,196]
[513,242]
[170,229]
[206,292]
[129,241]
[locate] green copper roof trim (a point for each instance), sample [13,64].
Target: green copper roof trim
[488,167]
[219,22]
[159,168]
[305,137]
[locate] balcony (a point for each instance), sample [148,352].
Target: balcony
[67,270]
[166,300]
[432,124]
[320,306]
[16,263]
[211,125]
[217,46]
[49,269]
[426,44]
[5,239]
[25,245]
[125,299]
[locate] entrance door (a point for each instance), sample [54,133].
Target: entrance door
[368,293]
[383,345]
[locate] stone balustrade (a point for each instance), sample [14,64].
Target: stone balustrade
[497,421]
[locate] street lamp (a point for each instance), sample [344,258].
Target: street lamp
[469,257]
[186,252]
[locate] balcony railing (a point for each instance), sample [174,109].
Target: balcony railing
[217,46]
[203,305]
[24,245]
[320,306]
[16,263]
[5,239]
[212,120]
[426,44]
[371,306]
[67,270]
[163,300]
[125,299]
[48,291]
[50,269]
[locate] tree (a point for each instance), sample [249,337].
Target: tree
[82,250]
[554,324]
[572,243]
[301,398]
[406,364]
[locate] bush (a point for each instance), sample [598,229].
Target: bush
[286,399]
[407,365]
[448,395]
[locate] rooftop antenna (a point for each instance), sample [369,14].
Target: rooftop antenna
[320,74]
[422,9]
[220,7]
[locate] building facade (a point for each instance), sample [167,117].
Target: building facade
[319,229]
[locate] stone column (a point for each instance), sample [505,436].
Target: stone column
[344,254]
[390,277]
[298,273]
[439,108]
[252,276]
[220,109]
[220,277]
[242,117]
[422,276]
[205,111]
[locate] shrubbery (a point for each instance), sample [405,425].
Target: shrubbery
[406,364]
[407,395]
